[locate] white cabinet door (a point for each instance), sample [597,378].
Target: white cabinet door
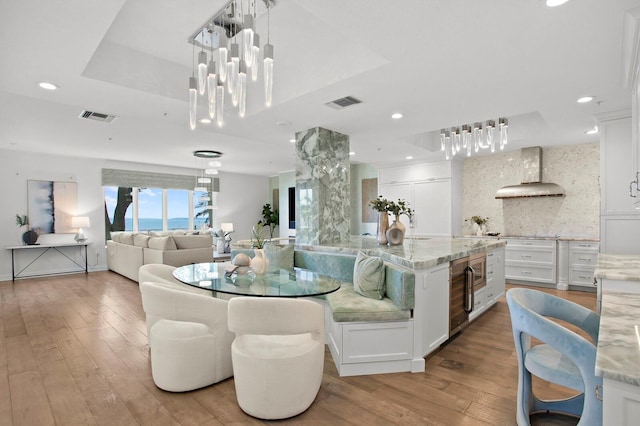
[432,201]
[621,404]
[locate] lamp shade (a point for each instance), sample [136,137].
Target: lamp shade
[226,227]
[80,222]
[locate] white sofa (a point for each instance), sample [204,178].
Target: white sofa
[127,252]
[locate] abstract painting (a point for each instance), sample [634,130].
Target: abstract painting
[51,206]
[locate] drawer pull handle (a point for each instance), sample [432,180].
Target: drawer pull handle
[584,277]
[598,392]
[584,245]
[526,243]
[583,259]
[526,256]
[526,273]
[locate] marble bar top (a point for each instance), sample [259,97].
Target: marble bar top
[535,237]
[624,267]
[415,253]
[618,352]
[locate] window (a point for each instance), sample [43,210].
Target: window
[119,213]
[142,201]
[150,209]
[177,209]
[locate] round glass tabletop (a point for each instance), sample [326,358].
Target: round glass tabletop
[281,283]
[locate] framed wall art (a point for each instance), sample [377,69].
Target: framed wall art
[51,205]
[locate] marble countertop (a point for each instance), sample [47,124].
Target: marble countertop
[536,237]
[624,267]
[618,353]
[415,253]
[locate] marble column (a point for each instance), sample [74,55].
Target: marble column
[322,187]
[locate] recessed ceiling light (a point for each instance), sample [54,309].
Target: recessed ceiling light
[554,3]
[585,99]
[48,85]
[396,116]
[292,140]
[592,131]
[409,157]
[205,121]
[352,153]
[283,123]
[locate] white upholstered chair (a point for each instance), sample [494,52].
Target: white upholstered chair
[188,336]
[278,354]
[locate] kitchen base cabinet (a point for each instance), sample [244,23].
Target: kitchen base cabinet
[488,295]
[582,263]
[531,260]
[621,403]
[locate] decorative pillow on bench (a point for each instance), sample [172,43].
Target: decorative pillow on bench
[280,257]
[368,276]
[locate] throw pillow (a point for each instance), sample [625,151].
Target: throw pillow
[368,276]
[280,257]
[141,240]
[162,243]
[126,238]
[193,241]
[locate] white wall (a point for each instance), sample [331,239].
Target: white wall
[240,200]
[574,167]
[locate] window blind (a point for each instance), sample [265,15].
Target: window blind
[132,178]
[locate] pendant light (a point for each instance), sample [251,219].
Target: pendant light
[255,52]
[223,51]
[490,128]
[503,125]
[242,88]
[202,71]
[247,39]
[232,72]
[212,82]
[193,101]
[267,68]
[220,103]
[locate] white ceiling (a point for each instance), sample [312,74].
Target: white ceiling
[440,63]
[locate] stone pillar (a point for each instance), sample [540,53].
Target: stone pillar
[322,187]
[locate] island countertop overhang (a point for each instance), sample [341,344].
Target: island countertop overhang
[413,253]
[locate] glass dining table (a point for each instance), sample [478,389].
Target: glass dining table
[279,283]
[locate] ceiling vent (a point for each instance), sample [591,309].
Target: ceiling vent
[98,116]
[342,103]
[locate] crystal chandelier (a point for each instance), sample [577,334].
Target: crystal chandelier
[228,59]
[472,138]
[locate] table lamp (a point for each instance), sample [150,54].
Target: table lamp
[227,227]
[80,222]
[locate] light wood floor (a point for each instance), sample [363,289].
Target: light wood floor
[73,351]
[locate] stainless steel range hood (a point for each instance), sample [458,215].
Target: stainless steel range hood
[531,185]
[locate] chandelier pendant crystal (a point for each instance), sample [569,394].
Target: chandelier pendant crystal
[474,138]
[230,57]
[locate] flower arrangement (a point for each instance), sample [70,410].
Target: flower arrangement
[380,204]
[397,208]
[478,220]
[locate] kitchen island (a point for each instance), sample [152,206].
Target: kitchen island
[618,350]
[374,347]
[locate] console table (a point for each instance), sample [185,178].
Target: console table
[45,248]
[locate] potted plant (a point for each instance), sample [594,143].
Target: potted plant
[259,263]
[381,205]
[270,218]
[479,224]
[30,236]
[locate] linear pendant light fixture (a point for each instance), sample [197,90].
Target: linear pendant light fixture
[230,56]
[474,137]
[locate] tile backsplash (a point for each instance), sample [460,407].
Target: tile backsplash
[574,167]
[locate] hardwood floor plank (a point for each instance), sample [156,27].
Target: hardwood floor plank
[5,395]
[73,350]
[20,355]
[29,403]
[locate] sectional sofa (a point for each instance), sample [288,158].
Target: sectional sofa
[127,252]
